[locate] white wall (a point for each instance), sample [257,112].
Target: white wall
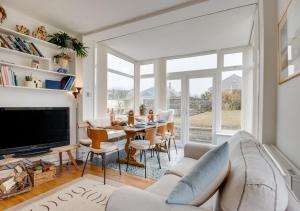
[12,97]
[288,111]
[268,71]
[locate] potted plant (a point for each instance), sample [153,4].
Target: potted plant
[66,41]
[143,110]
[29,81]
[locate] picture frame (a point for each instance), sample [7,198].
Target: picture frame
[289,43]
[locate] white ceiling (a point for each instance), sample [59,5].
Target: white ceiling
[84,16]
[221,30]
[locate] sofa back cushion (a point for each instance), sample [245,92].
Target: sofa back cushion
[254,183]
[197,186]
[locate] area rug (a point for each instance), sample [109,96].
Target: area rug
[86,193]
[153,170]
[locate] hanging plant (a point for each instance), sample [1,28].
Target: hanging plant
[80,49]
[66,41]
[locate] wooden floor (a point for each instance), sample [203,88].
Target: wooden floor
[68,174]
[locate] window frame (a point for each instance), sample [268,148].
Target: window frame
[110,70]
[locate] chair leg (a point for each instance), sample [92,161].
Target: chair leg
[141,155]
[175,145]
[87,157]
[119,162]
[145,163]
[129,149]
[92,156]
[169,149]
[104,167]
[158,157]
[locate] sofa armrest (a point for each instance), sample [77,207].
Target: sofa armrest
[196,150]
[133,199]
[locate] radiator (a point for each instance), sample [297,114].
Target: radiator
[289,171]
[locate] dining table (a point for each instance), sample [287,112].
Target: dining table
[131,133]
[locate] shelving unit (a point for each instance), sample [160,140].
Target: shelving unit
[37,89]
[20,62]
[29,38]
[11,51]
[35,69]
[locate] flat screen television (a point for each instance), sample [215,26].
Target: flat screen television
[32,130]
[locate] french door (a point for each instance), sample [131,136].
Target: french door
[193,99]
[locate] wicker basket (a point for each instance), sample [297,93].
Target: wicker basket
[39,177]
[23,187]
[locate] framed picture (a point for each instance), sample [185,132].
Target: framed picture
[289,43]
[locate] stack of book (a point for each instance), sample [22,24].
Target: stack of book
[19,44]
[66,83]
[7,77]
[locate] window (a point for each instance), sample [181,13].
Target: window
[192,63]
[234,59]
[174,102]
[147,83]
[231,100]
[120,85]
[121,65]
[147,69]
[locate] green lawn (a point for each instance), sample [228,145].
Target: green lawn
[230,120]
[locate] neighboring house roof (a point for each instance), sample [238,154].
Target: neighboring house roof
[232,82]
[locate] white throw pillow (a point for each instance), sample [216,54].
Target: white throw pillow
[204,179]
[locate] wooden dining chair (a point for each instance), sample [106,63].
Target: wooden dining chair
[148,143]
[98,147]
[161,136]
[84,141]
[170,135]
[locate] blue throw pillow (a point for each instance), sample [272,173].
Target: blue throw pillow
[204,179]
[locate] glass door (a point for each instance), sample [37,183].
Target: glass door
[175,101]
[200,109]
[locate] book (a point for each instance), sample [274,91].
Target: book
[67,84]
[33,49]
[71,83]
[1,81]
[39,52]
[16,44]
[20,41]
[16,80]
[63,82]
[28,47]
[9,41]
[5,42]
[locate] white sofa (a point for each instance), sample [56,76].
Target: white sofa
[253,184]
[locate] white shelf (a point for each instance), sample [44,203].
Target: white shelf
[34,69]
[32,39]
[38,89]
[12,51]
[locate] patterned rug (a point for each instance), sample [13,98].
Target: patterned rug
[153,170]
[87,193]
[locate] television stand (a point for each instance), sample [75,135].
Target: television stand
[58,150]
[32,152]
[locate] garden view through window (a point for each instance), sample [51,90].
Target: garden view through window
[120,85]
[147,83]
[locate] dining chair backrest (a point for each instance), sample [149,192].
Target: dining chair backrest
[161,130]
[97,136]
[171,128]
[150,134]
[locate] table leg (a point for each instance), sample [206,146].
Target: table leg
[132,161]
[60,160]
[71,158]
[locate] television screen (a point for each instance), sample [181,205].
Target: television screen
[30,128]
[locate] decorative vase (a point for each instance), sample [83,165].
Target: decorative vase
[30,84]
